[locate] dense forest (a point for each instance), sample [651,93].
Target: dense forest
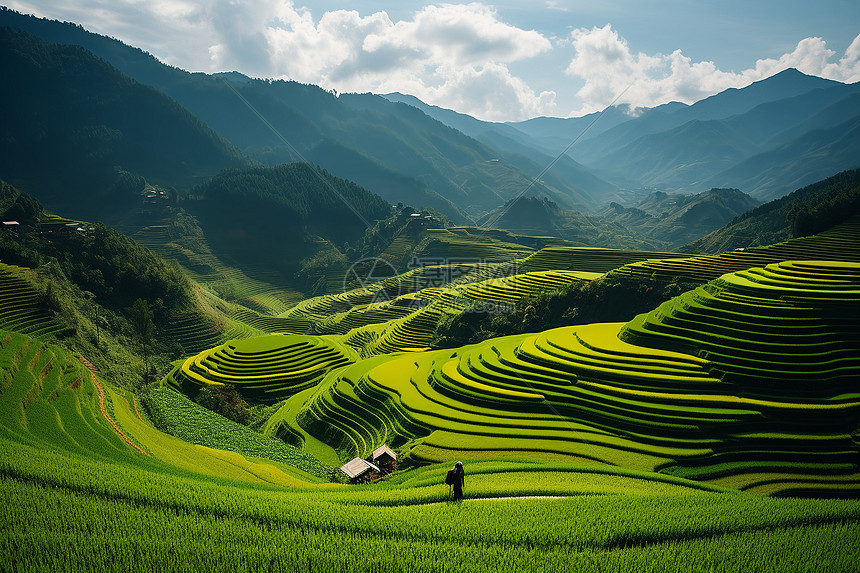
[277,217]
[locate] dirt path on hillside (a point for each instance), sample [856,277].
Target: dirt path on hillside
[105,414]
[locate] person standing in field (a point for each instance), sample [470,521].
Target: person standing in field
[459,481]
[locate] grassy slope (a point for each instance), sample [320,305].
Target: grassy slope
[185,507]
[65,468]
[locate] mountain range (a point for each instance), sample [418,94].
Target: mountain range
[76,131]
[657,221]
[396,151]
[93,118]
[766,139]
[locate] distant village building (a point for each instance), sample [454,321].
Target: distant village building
[65,230]
[359,470]
[384,458]
[11,225]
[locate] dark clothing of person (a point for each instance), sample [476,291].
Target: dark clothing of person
[459,481]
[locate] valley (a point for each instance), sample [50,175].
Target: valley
[638,332]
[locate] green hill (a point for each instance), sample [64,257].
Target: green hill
[806,211]
[81,136]
[75,282]
[658,221]
[747,381]
[277,216]
[676,219]
[111,267]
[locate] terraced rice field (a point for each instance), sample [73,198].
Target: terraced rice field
[837,244]
[88,483]
[21,307]
[472,244]
[194,332]
[401,314]
[749,381]
[605,447]
[768,329]
[265,368]
[258,293]
[591,259]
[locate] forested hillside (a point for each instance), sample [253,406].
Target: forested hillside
[84,138]
[428,158]
[87,284]
[806,211]
[277,216]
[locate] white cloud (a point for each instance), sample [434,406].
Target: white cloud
[610,70]
[491,92]
[461,56]
[554,5]
[446,54]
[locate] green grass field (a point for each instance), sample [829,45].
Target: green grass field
[720,431]
[77,496]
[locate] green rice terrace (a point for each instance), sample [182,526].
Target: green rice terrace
[748,382]
[266,368]
[720,430]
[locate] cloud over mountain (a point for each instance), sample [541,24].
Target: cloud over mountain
[611,69]
[449,52]
[492,63]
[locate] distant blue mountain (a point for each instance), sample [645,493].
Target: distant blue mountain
[426,158]
[765,139]
[720,141]
[728,103]
[531,154]
[737,151]
[815,155]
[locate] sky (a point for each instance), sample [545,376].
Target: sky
[497,61]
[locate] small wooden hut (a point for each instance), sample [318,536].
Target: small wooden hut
[384,458]
[359,470]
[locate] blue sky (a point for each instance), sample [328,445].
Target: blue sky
[500,61]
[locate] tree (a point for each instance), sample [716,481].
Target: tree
[97,317]
[102,323]
[225,400]
[141,320]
